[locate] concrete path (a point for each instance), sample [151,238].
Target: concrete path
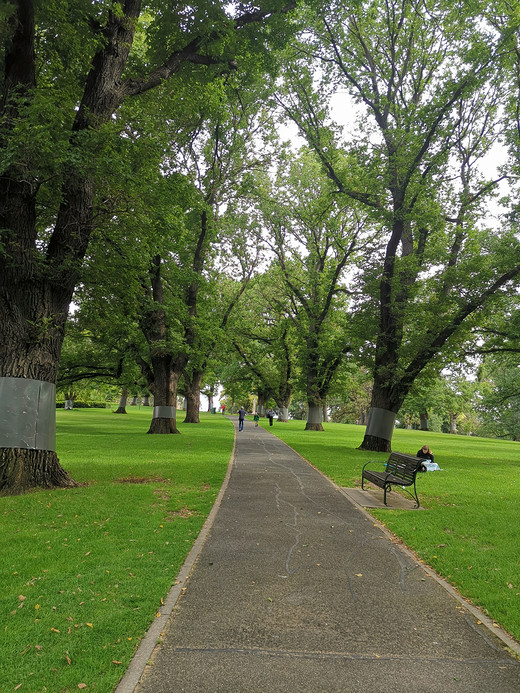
[298,589]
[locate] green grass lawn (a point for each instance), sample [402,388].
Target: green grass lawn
[468,531]
[83,571]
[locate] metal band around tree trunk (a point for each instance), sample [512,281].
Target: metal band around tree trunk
[27,414]
[315,415]
[380,423]
[164,413]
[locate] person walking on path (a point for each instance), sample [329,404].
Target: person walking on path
[256,418]
[241,416]
[270,416]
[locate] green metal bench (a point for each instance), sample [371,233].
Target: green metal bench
[398,470]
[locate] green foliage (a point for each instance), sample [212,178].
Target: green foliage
[430,107]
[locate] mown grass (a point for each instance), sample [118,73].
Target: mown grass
[83,571]
[468,531]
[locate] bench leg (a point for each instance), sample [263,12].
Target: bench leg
[416,496]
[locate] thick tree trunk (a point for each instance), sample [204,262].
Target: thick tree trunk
[283,415]
[37,281]
[424,421]
[122,402]
[22,470]
[31,335]
[165,396]
[381,419]
[376,444]
[193,397]
[314,415]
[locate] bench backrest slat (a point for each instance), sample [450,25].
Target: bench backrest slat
[403,466]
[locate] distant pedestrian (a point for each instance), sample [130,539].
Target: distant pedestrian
[270,416]
[241,416]
[256,418]
[223,409]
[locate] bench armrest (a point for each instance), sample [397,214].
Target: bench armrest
[381,463]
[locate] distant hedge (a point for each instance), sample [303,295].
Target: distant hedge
[83,405]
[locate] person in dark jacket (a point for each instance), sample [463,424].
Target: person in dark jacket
[425,453]
[241,416]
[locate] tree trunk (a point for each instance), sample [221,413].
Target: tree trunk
[453,423]
[424,421]
[37,282]
[146,400]
[165,396]
[375,444]
[314,414]
[122,402]
[381,418]
[192,394]
[22,470]
[283,415]
[313,380]
[325,413]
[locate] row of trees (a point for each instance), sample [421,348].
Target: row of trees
[141,176]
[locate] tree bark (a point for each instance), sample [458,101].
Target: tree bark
[383,409]
[453,423]
[325,410]
[22,469]
[284,414]
[165,385]
[376,444]
[192,394]
[122,402]
[314,415]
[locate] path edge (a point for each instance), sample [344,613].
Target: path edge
[507,640]
[135,670]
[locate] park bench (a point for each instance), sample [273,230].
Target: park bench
[398,470]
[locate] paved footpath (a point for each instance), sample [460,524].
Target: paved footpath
[297,589]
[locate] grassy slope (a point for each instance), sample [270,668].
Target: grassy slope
[469,531]
[83,571]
